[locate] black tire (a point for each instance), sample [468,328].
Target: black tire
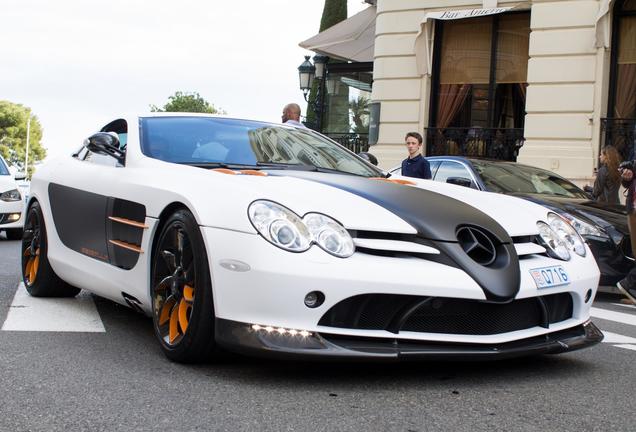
[181,291]
[13,233]
[41,280]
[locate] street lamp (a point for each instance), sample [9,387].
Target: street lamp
[307,72]
[26,156]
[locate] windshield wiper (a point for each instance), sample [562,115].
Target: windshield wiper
[218,165]
[304,167]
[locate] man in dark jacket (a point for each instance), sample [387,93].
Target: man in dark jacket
[415,165]
[628,285]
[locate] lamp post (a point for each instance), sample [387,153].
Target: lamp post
[26,156]
[309,73]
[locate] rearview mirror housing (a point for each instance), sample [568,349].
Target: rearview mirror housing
[105,143]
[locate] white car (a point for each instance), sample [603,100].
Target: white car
[271,240]
[11,203]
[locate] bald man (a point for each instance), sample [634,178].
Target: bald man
[291,115]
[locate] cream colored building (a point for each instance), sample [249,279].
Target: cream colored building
[551,71]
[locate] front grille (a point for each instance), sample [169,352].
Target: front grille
[397,313]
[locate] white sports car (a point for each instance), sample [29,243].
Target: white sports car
[267,239]
[11,203]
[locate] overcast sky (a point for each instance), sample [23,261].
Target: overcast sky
[78,63]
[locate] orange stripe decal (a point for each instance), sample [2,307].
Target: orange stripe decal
[128,222]
[225,171]
[254,172]
[125,245]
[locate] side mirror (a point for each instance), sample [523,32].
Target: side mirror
[19,176]
[105,143]
[369,158]
[460,181]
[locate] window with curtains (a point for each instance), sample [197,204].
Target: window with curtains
[482,67]
[618,128]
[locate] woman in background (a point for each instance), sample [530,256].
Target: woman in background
[608,178]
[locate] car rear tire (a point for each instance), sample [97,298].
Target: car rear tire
[14,233]
[39,278]
[181,291]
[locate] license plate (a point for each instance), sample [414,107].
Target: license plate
[547,277]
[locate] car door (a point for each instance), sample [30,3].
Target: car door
[88,216]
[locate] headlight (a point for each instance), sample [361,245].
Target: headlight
[555,245]
[283,228]
[329,235]
[584,228]
[280,226]
[12,195]
[567,233]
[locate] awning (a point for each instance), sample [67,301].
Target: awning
[426,37]
[603,21]
[352,39]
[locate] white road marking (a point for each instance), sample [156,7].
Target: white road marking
[629,306]
[614,316]
[615,338]
[629,347]
[28,313]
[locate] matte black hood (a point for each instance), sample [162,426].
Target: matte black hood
[436,217]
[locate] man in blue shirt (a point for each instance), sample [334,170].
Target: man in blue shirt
[415,165]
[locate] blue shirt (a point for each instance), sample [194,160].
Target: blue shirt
[416,167]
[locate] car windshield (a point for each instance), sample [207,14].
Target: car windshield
[3,168]
[513,178]
[209,141]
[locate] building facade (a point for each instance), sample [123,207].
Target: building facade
[545,82]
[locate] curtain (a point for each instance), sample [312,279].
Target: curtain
[513,47]
[466,51]
[626,81]
[451,100]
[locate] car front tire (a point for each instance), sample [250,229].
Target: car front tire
[181,291]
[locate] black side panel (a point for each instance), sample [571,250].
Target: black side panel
[80,220]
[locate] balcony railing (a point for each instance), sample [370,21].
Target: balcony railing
[494,143]
[619,133]
[353,141]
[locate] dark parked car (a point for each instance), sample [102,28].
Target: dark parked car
[604,227]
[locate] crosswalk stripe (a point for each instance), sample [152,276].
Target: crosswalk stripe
[613,316]
[629,306]
[28,313]
[615,338]
[627,346]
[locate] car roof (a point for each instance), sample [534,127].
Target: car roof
[206,115]
[484,160]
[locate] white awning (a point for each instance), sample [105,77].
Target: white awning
[603,21]
[352,39]
[426,37]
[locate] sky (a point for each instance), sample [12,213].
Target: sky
[79,64]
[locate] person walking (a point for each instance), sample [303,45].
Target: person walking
[415,165]
[627,285]
[291,115]
[608,178]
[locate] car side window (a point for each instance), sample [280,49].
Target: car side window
[451,169]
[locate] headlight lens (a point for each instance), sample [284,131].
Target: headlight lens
[584,228]
[329,235]
[283,228]
[280,226]
[12,195]
[556,246]
[567,233]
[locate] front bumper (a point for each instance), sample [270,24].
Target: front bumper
[242,338]
[11,208]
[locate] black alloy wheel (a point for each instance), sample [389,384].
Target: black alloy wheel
[181,291]
[39,278]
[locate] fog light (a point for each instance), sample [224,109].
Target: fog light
[13,217]
[314,299]
[280,331]
[588,295]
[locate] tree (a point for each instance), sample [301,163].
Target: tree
[13,130]
[359,109]
[333,12]
[187,102]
